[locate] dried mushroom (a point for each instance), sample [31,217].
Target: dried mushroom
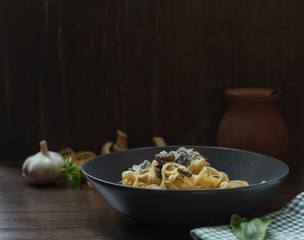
[159,141]
[120,144]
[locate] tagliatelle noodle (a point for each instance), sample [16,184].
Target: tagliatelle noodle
[203,176]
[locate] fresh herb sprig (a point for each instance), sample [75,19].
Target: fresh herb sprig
[244,229]
[72,172]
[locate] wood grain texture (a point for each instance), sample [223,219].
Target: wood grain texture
[52,211]
[73,72]
[57,212]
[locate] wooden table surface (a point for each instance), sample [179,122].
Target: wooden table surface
[58,212]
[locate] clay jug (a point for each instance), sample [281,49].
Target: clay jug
[253,122]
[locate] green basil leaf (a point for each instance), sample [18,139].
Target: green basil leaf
[72,173]
[244,229]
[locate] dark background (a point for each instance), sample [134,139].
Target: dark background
[73,72]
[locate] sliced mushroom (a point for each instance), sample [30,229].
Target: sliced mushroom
[164,157]
[145,166]
[183,158]
[157,169]
[184,172]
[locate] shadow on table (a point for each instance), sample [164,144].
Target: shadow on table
[127,229]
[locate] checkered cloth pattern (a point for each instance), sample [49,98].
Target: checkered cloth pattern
[287,224]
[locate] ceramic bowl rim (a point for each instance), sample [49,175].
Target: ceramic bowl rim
[120,186]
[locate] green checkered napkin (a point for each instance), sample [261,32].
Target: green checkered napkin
[287,224]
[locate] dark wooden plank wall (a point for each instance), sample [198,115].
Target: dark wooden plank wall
[73,72]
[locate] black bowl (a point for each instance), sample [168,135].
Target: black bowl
[187,207]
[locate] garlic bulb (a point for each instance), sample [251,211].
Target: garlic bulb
[43,167]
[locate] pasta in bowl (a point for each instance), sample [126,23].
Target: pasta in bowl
[181,169]
[175,202]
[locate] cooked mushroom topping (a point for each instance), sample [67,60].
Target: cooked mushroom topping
[157,170]
[183,158]
[164,157]
[184,172]
[145,164]
[182,149]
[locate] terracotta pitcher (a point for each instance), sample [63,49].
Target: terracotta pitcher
[253,122]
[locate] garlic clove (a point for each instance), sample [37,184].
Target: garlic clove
[44,166]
